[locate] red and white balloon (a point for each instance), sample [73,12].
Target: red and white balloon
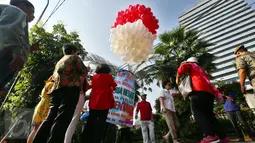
[133,33]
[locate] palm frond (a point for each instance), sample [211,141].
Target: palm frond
[96,59]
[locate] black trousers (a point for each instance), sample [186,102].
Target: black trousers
[234,117]
[202,108]
[109,133]
[94,132]
[63,103]
[122,134]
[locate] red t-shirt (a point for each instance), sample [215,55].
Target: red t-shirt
[196,72]
[145,110]
[101,97]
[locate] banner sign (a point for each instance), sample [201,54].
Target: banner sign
[124,97]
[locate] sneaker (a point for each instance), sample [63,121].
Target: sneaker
[225,140]
[210,139]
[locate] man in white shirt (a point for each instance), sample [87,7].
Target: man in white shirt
[168,108]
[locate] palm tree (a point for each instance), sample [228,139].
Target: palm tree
[176,46]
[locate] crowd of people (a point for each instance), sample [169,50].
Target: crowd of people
[63,96]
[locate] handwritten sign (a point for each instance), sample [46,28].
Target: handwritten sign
[124,97]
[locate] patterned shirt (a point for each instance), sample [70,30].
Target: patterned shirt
[68,71]
[247,62]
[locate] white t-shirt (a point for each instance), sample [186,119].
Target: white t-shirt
[86,105]
[168,99]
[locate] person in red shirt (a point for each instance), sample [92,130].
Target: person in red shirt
[101,100]
[146,119]
[202,101]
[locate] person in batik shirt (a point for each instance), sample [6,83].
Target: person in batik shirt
[65,94]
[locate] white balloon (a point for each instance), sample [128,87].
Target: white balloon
[132,41]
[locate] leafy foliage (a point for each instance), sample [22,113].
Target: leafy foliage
[40,64]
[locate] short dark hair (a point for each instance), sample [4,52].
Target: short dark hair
[103,69]
[165,82]
[24,2]
[68,49]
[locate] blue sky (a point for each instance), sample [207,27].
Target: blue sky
[93,19]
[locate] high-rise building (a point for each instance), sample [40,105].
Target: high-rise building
[226,24]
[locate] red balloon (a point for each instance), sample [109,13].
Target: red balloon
[133,9]
[157,26]
[137,6]
[130,6]
[136,12]
[141,8]
[148,9]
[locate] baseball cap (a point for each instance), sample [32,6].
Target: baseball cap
[238,48]
[192,60]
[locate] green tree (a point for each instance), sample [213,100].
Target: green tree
[40,65]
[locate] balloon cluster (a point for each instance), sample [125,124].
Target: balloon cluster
[133,33]
[136,12]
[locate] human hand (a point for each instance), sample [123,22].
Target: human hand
[164,110]
[136,116]
[88,68]
[230,98]
[221,100]
[177,82]
[243,89]
[18,62]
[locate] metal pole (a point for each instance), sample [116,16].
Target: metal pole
[48,1]
[13,84]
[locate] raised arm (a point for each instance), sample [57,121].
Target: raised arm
[184,68]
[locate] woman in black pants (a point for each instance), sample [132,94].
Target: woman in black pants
[202,101]
[101,100]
